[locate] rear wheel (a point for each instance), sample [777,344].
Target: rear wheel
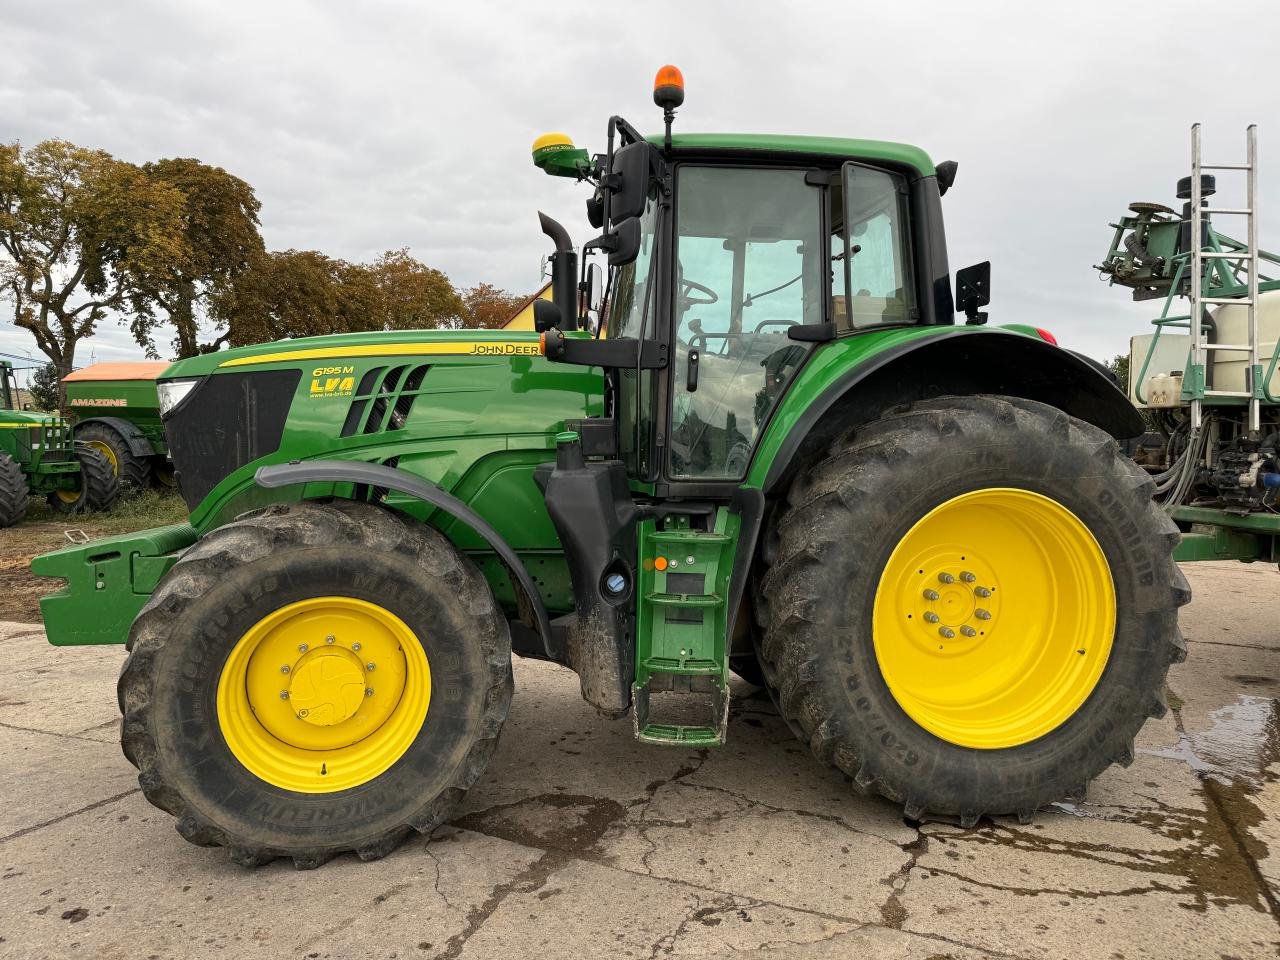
[97,487]
[132,471]
[971,606]
[314,679]
[13,491]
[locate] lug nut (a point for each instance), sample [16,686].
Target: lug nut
[982,614]
[968,631]
[931,594]
[946,578]
[982,591]
[330,638]
[355,648]
[368,691]
[930,617]
[284,694]
[285,668]
[946,632]
[967,577]
[370,666]
[302,648]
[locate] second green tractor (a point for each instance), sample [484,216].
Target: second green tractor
[759,443]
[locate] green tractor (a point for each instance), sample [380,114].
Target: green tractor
[116,411]
[778,454]
[39,456]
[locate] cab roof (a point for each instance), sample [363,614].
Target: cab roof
[836,148]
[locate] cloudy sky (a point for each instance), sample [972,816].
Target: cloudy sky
[366,126]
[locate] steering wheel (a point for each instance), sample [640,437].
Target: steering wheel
[688,286]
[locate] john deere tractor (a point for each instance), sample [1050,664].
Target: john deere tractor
[38,456]
[777,454]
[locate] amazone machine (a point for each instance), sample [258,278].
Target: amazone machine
[1206,377]
[763,444]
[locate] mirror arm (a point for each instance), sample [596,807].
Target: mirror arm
[623,352]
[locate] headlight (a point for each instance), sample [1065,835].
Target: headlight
[172,392]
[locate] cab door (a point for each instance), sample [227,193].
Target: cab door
[751,261]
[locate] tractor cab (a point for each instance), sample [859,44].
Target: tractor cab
[731,259]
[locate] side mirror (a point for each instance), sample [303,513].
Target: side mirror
[626,245]
[973,290]
[630,181]
[590,291]
[545,315]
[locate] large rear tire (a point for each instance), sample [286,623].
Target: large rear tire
[970,606]
[98,487]
[132,471]
[315,679]
[13,492]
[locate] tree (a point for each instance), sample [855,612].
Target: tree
[1120,367]
[80,232]
[487,307]
[302,293]
[43,387]
[413,295]
[220,229]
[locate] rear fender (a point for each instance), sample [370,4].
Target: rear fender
[960,361]
[138,444]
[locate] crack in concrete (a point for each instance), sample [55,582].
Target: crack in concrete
[55,733]
[67,816]
[528,880]
[892,911]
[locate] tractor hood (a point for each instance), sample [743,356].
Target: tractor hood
[18,419]
[419,399]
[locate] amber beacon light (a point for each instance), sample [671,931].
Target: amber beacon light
[668,88]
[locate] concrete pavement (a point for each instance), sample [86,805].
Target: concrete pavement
[579,842]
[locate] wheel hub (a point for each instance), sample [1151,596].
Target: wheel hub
[955,599]
[327,687]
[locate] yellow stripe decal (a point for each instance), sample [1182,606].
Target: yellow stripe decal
[478,348]
[20,426]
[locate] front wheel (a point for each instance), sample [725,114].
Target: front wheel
[971,606]
[314,679]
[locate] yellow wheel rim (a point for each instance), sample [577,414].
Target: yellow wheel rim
[67,496]
[324,694]
[107,452]
[994,618]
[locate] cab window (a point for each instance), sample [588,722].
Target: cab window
[872,283]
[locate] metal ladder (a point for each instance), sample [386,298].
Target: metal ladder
[1199,348]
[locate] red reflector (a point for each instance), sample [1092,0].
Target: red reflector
[1046,336]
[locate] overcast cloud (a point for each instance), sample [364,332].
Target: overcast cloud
[369,126]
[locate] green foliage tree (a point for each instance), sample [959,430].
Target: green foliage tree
[80,233]
[1119,365]
[220,230]
[43,387]
[488,307]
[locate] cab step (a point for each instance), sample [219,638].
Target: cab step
[681,690]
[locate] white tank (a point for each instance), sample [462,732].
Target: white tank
[1232,321]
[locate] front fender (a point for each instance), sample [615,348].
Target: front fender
[855,379]
[377,475]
